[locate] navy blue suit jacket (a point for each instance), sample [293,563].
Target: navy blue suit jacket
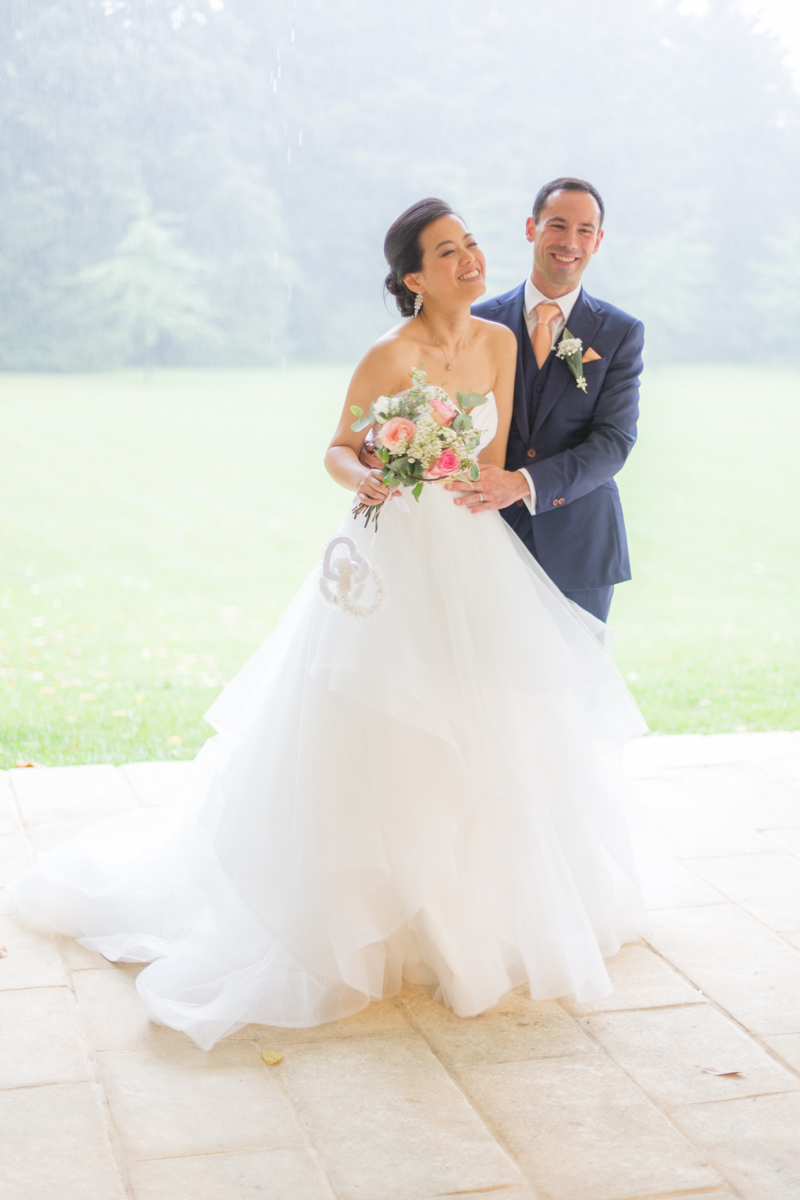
[573,443]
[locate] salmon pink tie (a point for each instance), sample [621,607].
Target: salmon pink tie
[542,338]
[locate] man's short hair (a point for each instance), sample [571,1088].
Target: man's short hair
[567,183]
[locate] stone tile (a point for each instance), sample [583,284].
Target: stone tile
[787,769]
[717,1193]
[286,1174]
[32,961]
[389,1123]
[51,833]
[155,783]
[187,1101]
[9,820]
[754,1142]
[749,971]
[512,1193]
[690,828]
[39,1041]
[641,980]
[14,856]
[650,755]
[582,1131]
[515,1029]
[665,1049]
[115,1018]
[381,1017]
[743,793]
[56,1145]
[687,890]
[48,794]
[767,885]
[78,958]
[787,1045]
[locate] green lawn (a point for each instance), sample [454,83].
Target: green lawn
[153,529]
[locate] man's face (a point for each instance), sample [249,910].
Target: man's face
[564,238]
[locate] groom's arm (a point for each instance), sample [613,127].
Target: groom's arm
[567,476]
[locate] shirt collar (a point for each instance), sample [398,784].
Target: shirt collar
[533,297]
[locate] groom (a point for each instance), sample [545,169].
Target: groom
[566,445]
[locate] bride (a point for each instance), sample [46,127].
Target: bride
[426,794]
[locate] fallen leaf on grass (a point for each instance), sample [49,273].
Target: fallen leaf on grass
[21,764]
[271,1057]
[714,1071]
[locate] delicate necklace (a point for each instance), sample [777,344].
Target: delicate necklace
[441,347]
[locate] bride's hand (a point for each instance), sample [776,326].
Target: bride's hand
[372,489]
[367,457]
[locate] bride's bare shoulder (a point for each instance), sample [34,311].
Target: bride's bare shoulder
[391,357]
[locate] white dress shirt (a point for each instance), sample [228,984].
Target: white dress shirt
[566,303]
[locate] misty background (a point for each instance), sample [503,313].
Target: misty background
[209,183]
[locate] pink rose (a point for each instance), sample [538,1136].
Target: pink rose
[446,464]
[396,431]
[442,411]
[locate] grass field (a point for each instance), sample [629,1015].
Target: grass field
[152,529]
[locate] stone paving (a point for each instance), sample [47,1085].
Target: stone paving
[531,1101]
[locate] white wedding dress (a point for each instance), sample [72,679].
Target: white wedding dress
[430,794]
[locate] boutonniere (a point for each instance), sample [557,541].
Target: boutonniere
[571,350]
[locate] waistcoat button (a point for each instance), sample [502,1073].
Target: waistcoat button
[531,453]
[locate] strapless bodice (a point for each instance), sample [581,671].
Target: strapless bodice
[484,418]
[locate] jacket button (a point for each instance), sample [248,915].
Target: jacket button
[520,503]
[559,501]
[562,501]
[531,453]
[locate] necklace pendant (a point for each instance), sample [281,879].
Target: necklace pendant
[449,366]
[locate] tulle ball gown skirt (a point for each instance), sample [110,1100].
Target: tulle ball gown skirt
[429,794]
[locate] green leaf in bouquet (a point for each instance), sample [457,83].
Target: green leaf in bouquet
[362,423]
[383,455]
[399,465]
[461,477]
[356,411]
[474,472]
[417,492]
[474,399]
[461,422]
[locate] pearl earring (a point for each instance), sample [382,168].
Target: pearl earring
[418,304]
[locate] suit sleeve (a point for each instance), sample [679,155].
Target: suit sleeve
[610,436]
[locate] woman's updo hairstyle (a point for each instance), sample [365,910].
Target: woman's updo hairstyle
[403,248]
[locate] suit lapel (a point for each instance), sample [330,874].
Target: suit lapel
[584,321]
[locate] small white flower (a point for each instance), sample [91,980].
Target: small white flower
[569,346]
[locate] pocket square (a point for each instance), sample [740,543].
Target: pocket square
[591,356]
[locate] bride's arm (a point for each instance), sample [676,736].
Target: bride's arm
[341,458]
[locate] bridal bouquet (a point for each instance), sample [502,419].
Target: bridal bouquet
[421,436]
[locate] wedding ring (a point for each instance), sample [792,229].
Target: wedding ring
[480,497]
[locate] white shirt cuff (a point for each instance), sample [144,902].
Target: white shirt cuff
[530,501]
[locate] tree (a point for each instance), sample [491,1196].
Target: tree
[151,290]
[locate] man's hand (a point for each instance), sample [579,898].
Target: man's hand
[367,458]
[496,488]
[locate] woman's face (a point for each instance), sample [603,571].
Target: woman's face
[453,266]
